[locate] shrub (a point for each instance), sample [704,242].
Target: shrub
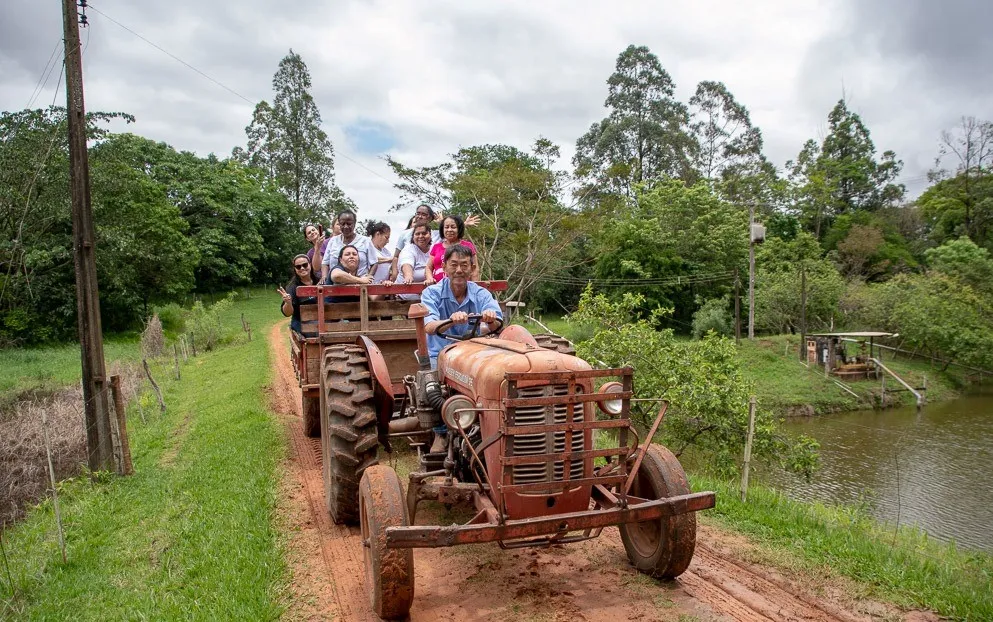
[713,316]
[173,318]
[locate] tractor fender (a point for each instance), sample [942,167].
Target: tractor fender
[519,334]
[382,388]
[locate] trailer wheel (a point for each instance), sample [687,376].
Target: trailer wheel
[389,573]
[349,437]
[312,416]
[661,548]
[555,342]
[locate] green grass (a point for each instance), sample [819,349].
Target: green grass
[191,535]
[786,386]
[555,322]
[902,566]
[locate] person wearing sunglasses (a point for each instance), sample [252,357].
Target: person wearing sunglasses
[303,274]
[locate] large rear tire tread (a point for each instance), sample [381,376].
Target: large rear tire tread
[551,341]
[349,438]
[389,573]
[662,548]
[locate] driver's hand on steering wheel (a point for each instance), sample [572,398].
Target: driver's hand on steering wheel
[460,317]
[489,316]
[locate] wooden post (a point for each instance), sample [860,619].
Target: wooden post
[882,390]
[748,448]
[248,327]
[244,327]
[158,392]
[175,353]
[125,467]
[100,450]
[55,491]
[193,345]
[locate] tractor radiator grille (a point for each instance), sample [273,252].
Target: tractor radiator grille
[543,443]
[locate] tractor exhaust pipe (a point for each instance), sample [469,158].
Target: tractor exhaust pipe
[407,424]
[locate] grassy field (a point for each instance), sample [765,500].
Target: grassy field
[191,535]
[899,566]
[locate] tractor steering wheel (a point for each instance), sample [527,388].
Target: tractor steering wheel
[475,320]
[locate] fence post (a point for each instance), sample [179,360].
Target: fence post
[125,467]
[748,448]
[55,491]
[175,352]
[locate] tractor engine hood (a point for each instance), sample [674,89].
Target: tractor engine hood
[476,367]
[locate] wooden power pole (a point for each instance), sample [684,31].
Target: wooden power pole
[96,406]
[751,271]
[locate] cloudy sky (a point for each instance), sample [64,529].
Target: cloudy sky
[418,80]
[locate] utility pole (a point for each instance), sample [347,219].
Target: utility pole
[751,271]
[803,310]
[737,308]
[96,406]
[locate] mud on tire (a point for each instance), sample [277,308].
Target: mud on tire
[661,548]
[349,438]
[389,573]
[312,416]
[555,342]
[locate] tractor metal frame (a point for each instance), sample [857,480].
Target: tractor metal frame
[544,528]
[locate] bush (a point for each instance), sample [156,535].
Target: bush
[173,318]
[713,316]
[205,322]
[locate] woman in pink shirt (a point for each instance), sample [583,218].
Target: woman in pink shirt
[452,232]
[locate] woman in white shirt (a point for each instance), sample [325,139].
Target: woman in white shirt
[414,260]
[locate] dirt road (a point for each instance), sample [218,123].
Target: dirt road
[587,581]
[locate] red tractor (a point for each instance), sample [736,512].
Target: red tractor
[522,414]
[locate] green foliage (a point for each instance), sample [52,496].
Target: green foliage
[286,143]
[778,284]
[933,313]
[526,234]
[841,175]
[960,206]
[702,380]
[713,315]
[645,135]
[674,231]
[867,246]
[963,260]
[206,322]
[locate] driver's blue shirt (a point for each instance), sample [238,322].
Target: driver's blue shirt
[441,304]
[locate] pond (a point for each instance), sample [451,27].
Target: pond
[933,468]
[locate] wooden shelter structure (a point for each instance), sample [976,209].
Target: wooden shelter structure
[829,350]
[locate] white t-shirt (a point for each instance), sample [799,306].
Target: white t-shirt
[381,271]
[367,252]
[408,235]
[418,260]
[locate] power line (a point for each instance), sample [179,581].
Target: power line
[222,85]
[46,73]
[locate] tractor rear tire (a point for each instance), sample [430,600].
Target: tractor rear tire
[349,438]
[661,548]
[312,416]
[389,573]
[555,342]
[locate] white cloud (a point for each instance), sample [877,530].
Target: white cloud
[446,74]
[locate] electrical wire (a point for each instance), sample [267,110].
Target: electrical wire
[226,87]
[46,73]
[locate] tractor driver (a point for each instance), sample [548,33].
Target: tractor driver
[454,298]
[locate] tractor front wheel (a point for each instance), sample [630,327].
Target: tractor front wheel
[389,573]
[660,548]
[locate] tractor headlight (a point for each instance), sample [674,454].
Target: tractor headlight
[610,406]
[459,411]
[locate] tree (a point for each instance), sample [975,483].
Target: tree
[645,135]
[285,140]
[968,185]
[777,291]
[702,380]
[842,174]
[962,259]
[728,143]
[526,234]
[675,244]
